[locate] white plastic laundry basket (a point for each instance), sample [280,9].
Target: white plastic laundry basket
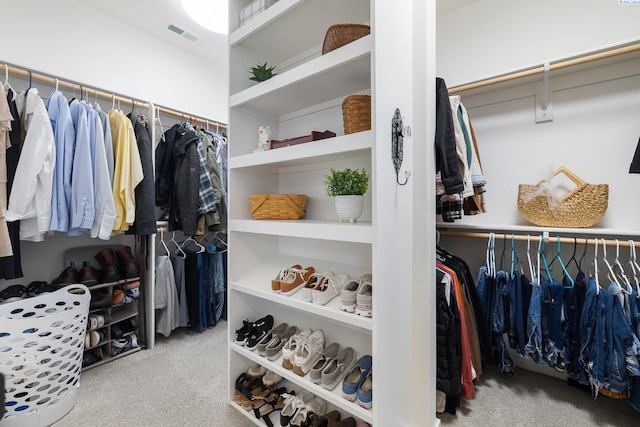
[41,345]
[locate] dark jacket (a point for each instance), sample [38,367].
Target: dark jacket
[145,222]
[445,142]
[447,329]
[183,208]
[165,166]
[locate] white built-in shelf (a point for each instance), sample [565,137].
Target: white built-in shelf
[344,71]
[257,283]
[325,150]
[333,397]
[592,232]
[296,26]
[360,232]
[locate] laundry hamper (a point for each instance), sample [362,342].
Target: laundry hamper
[41,345]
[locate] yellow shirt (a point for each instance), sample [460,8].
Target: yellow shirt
[127,170]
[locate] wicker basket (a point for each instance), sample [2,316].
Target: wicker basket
[340,34]
[278,206]
[356,113]
[581,207]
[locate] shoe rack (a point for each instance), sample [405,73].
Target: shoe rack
[125,316]
[306,95]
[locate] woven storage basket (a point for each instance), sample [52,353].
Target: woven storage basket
[278,206]
[41,345]
[356,113]
[340,34]
[581,207]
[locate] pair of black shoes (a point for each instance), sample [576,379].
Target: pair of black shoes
[18,292]
[250,334]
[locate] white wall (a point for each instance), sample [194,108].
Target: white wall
[71,40]
[492,37]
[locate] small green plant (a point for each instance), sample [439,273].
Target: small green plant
[347,182]
[262,72]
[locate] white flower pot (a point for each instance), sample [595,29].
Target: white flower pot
[349,208]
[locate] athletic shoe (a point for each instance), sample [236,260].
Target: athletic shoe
[315,406]
[275,283]
[296,278]
[289,348]
[364,393]
[274,347]
[315,280]
[328,290]
[307,354]
[278,330]
[337,368]
[348,293]
[259,329]
[331,351]
[364,299]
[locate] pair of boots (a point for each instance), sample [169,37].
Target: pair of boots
[115,266]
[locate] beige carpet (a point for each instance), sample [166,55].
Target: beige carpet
[181,382]
[533,399]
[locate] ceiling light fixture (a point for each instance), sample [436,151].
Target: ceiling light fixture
[210,14]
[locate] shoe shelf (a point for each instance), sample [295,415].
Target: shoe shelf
[323,151]
[361,232]
[107,359]
[337,74]
[257,284]
[111,284]
[332,397]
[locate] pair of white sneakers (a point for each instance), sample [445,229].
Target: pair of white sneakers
[323,287]
[302,351]
[357,296]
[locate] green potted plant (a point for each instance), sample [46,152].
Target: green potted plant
[348,187]
[261,72]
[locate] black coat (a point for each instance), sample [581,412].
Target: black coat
[183,208]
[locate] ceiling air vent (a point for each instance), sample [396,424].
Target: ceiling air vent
[182,32]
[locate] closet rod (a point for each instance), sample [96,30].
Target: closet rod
[70,85]
[91,91]
[203,120]
[540,69]
[536,238]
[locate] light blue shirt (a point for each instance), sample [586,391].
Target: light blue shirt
[82,209]
[65,137]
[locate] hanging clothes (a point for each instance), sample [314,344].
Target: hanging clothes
[145,215]
[30,199]
[11,266]
[127,170]
[184,206]
[64,136]
[108,140]
[82,197]
[166,301]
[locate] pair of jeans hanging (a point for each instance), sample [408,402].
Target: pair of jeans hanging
[533,348]
[500,323]
[574,301]
[592,337]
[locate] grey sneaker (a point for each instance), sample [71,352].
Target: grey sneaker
[364,300]
[278,330]
[331,351]
[308,352]
[337,368]
[274,347]
[349,291]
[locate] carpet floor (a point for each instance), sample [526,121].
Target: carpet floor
[183,382]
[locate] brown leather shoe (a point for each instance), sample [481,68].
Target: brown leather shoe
[108,261]
[87,275]
[68,276]
[128,265]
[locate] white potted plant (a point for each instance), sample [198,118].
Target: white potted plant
[348,187]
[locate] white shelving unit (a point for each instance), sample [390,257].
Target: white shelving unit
[392,238]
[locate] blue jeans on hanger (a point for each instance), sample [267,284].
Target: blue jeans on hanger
[483,295]
[524,289]
[533,348]
[513,288]
[501,311]
[592,336]
[574,301]
[557,324]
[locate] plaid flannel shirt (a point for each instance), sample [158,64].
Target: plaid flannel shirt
[206,196]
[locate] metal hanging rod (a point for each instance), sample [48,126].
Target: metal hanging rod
[536,238]
[540,69]
[89,90]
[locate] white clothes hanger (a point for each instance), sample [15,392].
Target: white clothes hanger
[621,274]
[164,245]
[179,250]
